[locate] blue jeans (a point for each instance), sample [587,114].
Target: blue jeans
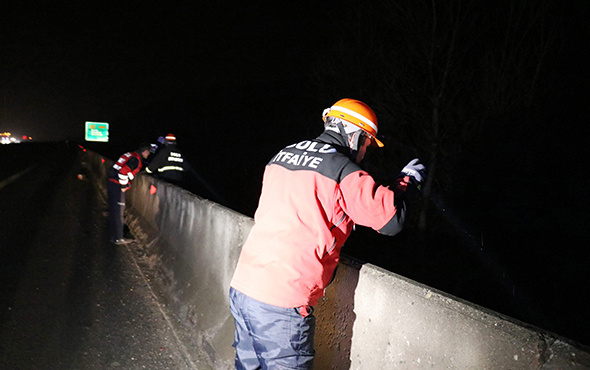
[270,337]
[116,204]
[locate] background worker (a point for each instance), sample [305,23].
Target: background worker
[121,174]
[313,193]
[168,162]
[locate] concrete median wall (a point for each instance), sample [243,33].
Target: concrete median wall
[370,318]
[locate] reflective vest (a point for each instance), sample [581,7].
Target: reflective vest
[125,169]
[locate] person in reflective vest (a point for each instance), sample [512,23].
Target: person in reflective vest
[121,174]
[168,162]
[313,193]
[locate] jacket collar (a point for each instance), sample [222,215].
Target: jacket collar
[331,137]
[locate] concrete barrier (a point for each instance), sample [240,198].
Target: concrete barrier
[370,318]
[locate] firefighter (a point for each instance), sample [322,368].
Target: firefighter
[313,193]
[168,162]
[121,174]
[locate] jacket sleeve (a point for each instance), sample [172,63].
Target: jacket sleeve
[156,162]
[371,205]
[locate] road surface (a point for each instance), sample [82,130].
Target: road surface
[68,298]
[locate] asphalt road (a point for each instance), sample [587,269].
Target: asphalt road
[68,298]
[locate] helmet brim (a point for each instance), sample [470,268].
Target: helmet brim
[377,143]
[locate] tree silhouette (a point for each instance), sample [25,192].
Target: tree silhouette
[438,73]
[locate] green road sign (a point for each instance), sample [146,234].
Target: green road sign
[97,131]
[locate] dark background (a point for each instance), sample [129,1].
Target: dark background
[235,82]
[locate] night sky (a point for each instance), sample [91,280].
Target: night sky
[64,65]
[236,81]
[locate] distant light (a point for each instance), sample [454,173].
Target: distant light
[5,138]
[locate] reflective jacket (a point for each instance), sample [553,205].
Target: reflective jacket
[168,163]
[312,195]
[125,169]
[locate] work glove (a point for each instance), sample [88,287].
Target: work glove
[415,171]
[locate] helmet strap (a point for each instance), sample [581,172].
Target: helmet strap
[352,139]
[355,142]
[344,135]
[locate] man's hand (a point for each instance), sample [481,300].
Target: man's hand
[415,171]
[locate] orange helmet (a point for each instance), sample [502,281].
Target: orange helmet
[170,137]
[357,113]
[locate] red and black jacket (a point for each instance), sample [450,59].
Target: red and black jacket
[125,169]
[312,195]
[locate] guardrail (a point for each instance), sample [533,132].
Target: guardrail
[370,318]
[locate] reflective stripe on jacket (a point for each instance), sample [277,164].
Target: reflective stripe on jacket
[312,195]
